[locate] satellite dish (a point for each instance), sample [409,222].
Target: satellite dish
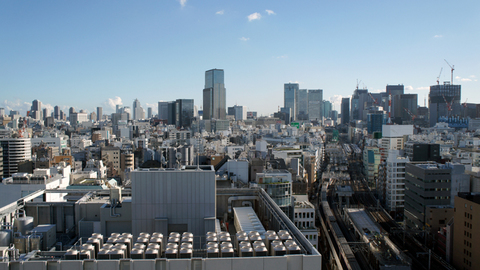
[178,155]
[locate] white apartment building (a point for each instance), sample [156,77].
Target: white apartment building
[60,141]
[304,219]
[395,181]
[393,137]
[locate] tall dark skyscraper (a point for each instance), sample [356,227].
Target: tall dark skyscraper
[437,107]
[315,105]
[56,112]
[184,112]
[290,99]
[345,110]
[214,95]
[99,113]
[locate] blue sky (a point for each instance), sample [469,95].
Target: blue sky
[85,54]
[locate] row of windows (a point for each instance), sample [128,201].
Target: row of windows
[467,262]
[467,224]
[466,243]
[305,215]
[467,234]
[468,215]
[304,224]
[468,253]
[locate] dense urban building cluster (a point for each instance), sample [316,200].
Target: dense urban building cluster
[308,184]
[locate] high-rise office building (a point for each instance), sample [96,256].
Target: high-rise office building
[239,112]
[400,105]
[56,112]
[301,105]
[163,110]
[46,113]
[138,112]
[345,110]
[289,98]
[36,110]
[171,113]
[428,184]
[359,98]
[439,96]
[327,108]
[184,112]
[214,95]
[315,105]
[99,113]
[15,150]
[150,112]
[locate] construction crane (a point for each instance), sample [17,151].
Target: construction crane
[449,105]
[465,108]
[438,78]
[452,68]
[358,83]
[375,101]
[410,113]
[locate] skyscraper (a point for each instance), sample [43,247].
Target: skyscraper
[36,110]
[289,98]
[315,105]
[15,150]
[214,95]
[301,105]
[184,112]
[239,112]
[138,112]
[150,113]
[345,110]
[56,112]
[327,108]
[99,113]
[438,98]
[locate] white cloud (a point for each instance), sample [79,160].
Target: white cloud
[408,87]
[282,56]
[270,12]
[48,106]
[438,36]
[113,102]
[153,105]
[254,16]
[336,100]
[220,12]
[17,105]
[471,78]
[244,38]
[182,2]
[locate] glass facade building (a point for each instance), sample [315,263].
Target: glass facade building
[184,112]
[315,105]
[289,101]
[214,95]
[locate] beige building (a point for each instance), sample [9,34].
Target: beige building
[111,158]
[466,232]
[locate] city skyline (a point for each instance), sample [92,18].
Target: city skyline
[88,55]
